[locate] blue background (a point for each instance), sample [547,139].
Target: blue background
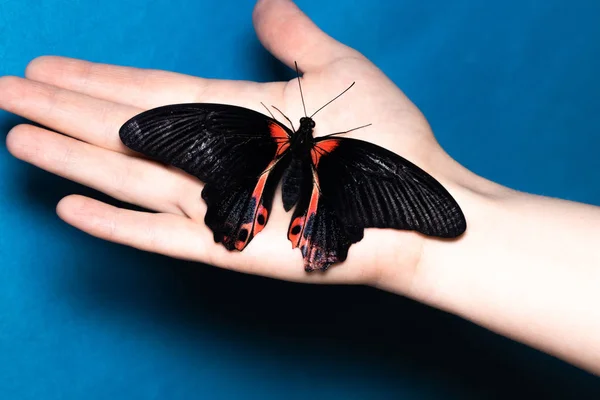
[511,90]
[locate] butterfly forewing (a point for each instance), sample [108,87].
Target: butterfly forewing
[370,186]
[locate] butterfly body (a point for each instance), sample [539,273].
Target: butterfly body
[337,186]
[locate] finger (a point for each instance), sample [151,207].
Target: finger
[143,88]
[136,181]
[180,237]
[288,34]
[168,234]
[83,117]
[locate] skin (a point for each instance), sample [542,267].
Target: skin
[528,266]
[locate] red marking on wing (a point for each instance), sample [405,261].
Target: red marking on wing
[314,201]
[258,226]
[297,224]
[243,236]
[260,185]
[311,212]
[302,237]
[260,214]
[281,137]
[322,148]
[254,227]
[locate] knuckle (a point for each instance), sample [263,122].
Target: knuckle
[111,229]
[108,225]
[153,240]
[122,181]
[106,117]
[66,159]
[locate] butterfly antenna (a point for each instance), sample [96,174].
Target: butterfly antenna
[334,99]
[348,131]
[285,116]
[269,111]
[300,86]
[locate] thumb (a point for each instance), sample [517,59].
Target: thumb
[288,34]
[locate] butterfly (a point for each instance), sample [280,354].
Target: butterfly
[337,186]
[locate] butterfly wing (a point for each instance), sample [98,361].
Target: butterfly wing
[315,228]
[233,150]
[358,185]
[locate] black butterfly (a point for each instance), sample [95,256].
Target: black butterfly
[340,186]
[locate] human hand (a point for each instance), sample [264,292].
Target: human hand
[89,102]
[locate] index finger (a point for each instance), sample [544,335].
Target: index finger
[145,88]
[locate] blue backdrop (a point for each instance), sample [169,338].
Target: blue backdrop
[511,89]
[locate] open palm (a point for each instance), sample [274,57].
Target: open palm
[89,102]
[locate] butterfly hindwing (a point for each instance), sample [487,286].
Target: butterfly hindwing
[233,150]
[292,182]
[316,229]
[358,185]
[236,214]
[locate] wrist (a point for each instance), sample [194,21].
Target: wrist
[430,275]
[526,268]
[439,267]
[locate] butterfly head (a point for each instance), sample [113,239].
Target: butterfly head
[305,132]
[307,123]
